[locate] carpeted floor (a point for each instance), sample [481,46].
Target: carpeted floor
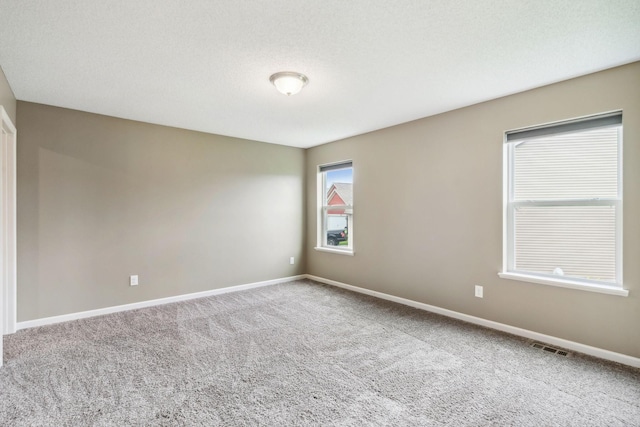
[300,354]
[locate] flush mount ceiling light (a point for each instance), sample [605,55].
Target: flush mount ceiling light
[289,82]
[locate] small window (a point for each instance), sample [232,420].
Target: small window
[563,199]
[335,188]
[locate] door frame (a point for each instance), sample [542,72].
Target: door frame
[8,224]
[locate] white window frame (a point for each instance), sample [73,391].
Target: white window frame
[509,206]
[321,240]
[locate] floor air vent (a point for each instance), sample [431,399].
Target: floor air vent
[549,349]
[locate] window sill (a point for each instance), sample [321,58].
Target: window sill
[563,283]
[348,252]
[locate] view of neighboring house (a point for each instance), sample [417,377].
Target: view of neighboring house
[340,193]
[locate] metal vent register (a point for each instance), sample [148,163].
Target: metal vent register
[549,349]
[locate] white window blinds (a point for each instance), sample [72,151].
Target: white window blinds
[565,200]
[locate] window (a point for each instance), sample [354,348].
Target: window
[563,204]
[335,197]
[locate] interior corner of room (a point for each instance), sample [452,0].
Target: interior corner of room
[100,199]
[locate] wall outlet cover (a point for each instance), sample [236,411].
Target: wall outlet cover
[479,291]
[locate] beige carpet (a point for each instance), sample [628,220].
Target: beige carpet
[300,354]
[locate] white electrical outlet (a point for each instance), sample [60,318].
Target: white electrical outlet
[291,261]
[479,291]
[133,280]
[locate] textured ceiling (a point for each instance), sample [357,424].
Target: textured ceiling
[205,64]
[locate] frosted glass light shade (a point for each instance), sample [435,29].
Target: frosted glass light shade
[289,82]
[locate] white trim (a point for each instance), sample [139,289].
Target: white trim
[507,220]
[335,251]
[564,283]
[570,345]
[620,210]
[322,208]
[510,205]
[150,303]
[8,226]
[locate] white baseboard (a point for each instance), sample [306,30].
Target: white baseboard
[107,310]
[570,345]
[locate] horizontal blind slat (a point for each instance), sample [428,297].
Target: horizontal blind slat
[576,165]
[564,237]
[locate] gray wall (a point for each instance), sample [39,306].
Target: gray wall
[101,198]
[7,99]
[428,213]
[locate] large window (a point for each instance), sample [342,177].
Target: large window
[335,217]
[563,203]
